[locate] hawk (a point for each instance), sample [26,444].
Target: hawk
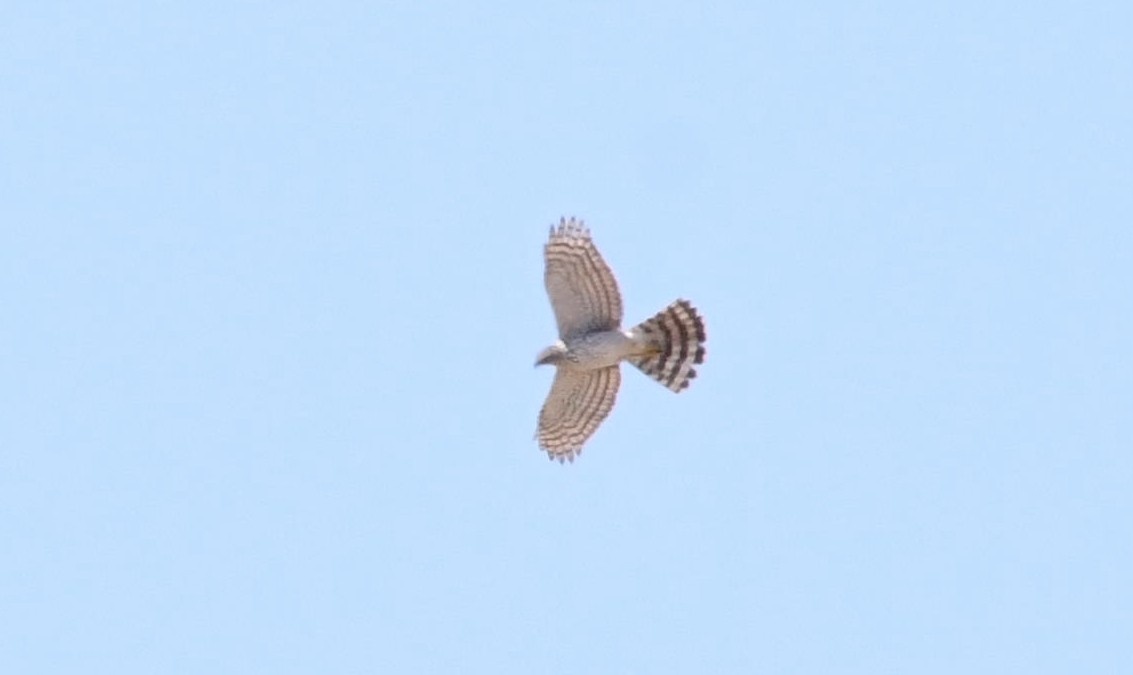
[588,310]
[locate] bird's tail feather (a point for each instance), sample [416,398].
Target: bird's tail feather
[678,334]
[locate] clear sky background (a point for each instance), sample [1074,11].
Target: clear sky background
[271,291]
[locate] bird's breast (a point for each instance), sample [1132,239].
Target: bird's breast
[600,350]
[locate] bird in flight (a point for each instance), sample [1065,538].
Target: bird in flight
[588,310]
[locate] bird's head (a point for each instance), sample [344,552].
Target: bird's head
[551,355]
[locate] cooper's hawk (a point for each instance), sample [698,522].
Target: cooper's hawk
[588,310]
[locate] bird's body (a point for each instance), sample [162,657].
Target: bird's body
[588,310]
[598,350]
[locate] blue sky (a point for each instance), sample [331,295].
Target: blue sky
[271,282]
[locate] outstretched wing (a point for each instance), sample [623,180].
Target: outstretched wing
[576,405]
[583,291]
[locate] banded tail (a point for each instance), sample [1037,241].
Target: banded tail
[678,334]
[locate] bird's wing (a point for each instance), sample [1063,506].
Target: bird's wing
[583,291]
[576,405]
